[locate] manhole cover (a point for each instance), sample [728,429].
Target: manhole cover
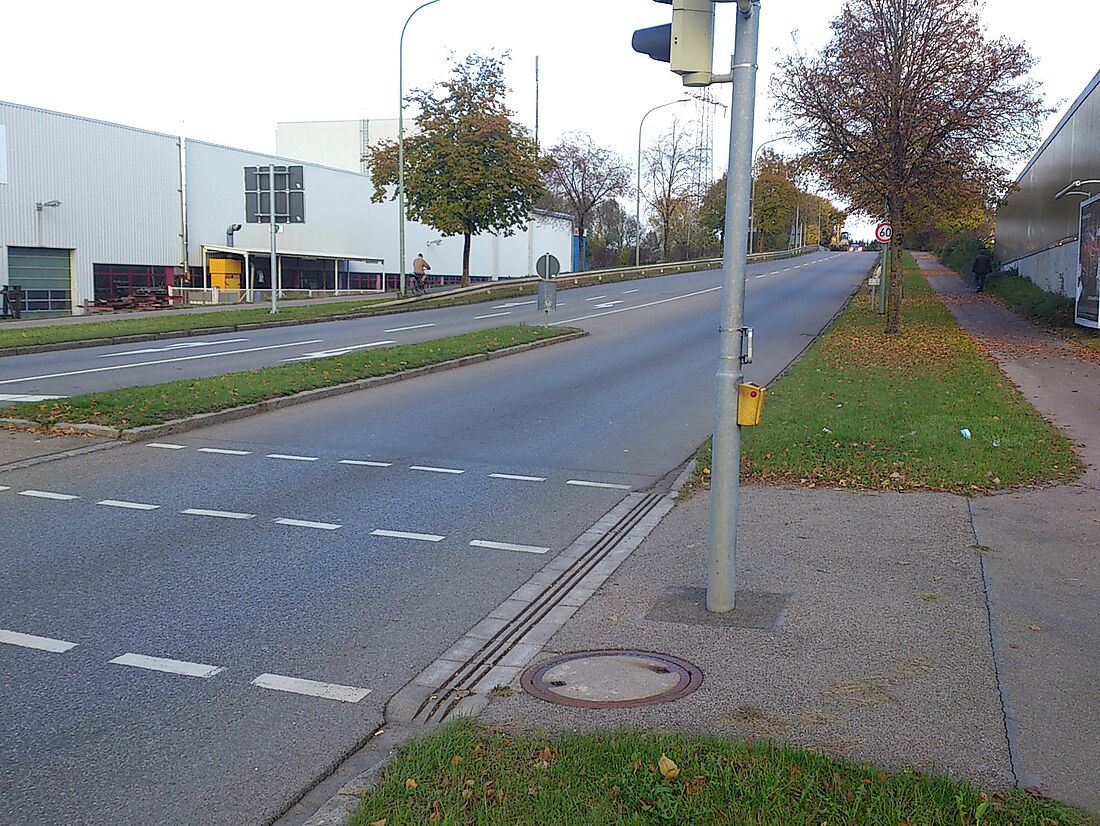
[611,679]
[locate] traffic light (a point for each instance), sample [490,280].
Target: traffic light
[687,44]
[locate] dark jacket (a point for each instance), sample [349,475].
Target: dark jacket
[982,265]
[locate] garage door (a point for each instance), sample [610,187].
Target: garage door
[44,276]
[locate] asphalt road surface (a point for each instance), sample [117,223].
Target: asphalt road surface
[196,630]
[83,370]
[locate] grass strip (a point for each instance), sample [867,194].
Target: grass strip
[862,409]
[158,403]
[1051,310]
[468,773]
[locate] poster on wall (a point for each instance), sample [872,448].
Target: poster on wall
[1087,307]
[3,154]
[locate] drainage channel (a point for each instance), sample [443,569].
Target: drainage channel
[525,621]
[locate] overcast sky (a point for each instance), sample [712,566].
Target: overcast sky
[227,72]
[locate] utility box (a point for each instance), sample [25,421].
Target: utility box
[750,404]
[225,273]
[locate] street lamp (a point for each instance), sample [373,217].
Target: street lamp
[1074,189]
[752,190]
[38,207]
[638,190]
[401,139]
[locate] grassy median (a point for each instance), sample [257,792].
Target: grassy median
[865,410]
[468,773]
[158,403]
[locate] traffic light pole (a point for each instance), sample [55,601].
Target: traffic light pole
[726,462]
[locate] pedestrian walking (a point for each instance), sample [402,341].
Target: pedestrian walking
[983,266]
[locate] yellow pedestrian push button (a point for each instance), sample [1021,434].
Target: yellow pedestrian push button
[750,404]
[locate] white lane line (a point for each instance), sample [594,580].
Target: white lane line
[161,361]
[339,351]
[607,304]
[585,484]
[301,523]
[45,494]
[423,537]
[628,292]
[184,345]
[218,514]
[182,667]
[785,269]
[429,469]
[507,546]
[635,307]
[596,298]
[513,304]
[5,487]
[312,688]
[516,478]
[365,463]
[492,315]
[134,506]
[38,643]
[290,457]
[221,451]
[23,397]
[410,327]
[167,446]
[765,275]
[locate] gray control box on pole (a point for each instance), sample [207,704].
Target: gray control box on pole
[726,463]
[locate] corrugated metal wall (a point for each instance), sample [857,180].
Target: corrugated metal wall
[118,188]
[1031,220]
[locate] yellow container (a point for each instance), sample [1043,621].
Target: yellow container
[225,273]
[750,404]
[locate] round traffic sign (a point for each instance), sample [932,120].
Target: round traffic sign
[884,232]
[547,266]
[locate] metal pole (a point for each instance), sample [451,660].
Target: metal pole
[274,227]
[726,463]
[638,188]
[401,143]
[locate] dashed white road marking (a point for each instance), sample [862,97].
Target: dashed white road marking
[423,537]
[492,315]
[514,304]
[516,478]
[586,484]
[38,643]
[217,514]
[301,523]
[290,457]
[161,361]
[134,506]
[765,275]
[635,307]
[221,451]
[410,327]
[23,397]
[365,463]
[182,667]
[167,348]
[628,292]
[507,546]
[607,304]
[5,487]
[429,469]
[45,494]
[339,351]
[311,688]
[167,446]
[596,298]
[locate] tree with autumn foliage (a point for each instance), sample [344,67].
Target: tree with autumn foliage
[911,102]
[470,168]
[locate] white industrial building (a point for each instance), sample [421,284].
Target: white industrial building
[91,210]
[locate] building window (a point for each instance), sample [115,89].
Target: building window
[117,281]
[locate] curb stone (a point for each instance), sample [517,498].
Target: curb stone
[204,419]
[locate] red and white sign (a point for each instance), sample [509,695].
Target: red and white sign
[884,232]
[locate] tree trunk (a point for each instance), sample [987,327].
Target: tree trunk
[466,260]
[893,302]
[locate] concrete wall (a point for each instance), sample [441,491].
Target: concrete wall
[119,190]
[1054,269]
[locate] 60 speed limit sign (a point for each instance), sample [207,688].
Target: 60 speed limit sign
[884,232]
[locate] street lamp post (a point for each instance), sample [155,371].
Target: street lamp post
[401,141]
[638,190]
[752,190]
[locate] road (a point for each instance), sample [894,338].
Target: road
[175,595]
[84,370]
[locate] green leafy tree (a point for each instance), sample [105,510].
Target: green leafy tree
[470,168]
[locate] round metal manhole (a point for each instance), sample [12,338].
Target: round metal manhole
[611,679]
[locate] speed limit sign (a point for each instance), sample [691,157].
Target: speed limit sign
[884,232]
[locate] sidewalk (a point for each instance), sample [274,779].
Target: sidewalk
[886,651]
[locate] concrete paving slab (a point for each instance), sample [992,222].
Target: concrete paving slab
[19,446]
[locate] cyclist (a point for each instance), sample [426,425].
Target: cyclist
[420,273]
